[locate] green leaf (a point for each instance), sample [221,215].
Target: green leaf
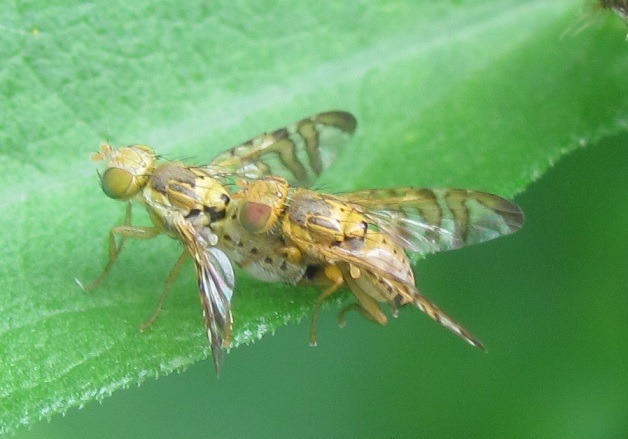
[484,95]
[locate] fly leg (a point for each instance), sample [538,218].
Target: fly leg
[334,274]
[126,230]
[365,291]
[174,273]
[371,311]
[342,321]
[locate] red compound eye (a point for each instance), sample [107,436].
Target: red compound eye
[254,217]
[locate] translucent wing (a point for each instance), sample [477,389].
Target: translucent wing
[383,270]
[433,311]
[299,152]
[433,220]
[216,282]
[619,6]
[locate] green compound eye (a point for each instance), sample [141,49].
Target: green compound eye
[254,217]
[118,184]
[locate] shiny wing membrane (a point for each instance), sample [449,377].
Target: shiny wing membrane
[299,152]
[216,282]
[433,220]
[381,266]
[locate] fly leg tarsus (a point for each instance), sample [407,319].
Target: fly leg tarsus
[334,274]
[126,230]
[174,273]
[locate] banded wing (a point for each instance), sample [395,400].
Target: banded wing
[434,312]
[338,231]
[299,152]
[382,268]
[619,6]
[216,282]
[433,220]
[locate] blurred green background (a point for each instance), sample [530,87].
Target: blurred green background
[550,303]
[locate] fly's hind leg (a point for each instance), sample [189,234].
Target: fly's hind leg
[342,321]
[174,273]
[334,274]
[367,306]
[126,230]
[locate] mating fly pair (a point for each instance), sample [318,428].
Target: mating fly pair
[250,206]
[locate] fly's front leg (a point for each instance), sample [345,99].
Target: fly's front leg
[126,230]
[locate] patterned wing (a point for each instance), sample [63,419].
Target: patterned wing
[336,231]
[619,6]
[433,220]
[216,282]
[299,152]
[379,266]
